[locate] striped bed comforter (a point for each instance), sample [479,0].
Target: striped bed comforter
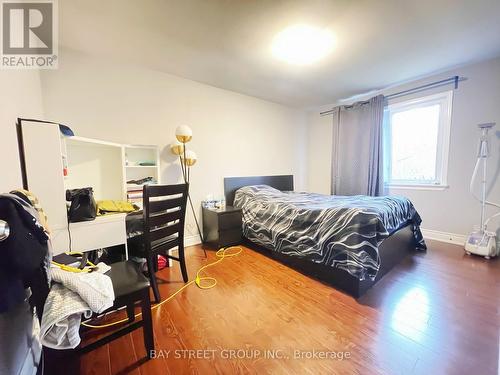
[338,231]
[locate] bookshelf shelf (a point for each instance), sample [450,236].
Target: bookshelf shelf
[133,155]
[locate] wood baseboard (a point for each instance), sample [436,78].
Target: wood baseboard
[453,238]
[192,240]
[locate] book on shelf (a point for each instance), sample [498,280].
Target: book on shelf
[134,191]
[137,195]
[134,187]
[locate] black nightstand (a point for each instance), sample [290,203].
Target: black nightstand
[222,227]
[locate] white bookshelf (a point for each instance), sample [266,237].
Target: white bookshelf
[134,158]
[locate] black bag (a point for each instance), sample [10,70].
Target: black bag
[83,206]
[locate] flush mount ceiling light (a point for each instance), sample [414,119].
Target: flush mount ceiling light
[303,44]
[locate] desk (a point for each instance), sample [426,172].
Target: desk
[105,231]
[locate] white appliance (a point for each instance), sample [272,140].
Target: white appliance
[481,241]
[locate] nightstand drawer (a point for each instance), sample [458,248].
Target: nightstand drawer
[222,227]
[230,220]
[229,237]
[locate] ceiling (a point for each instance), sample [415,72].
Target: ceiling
[226,43]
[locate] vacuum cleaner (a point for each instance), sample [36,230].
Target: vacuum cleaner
[481,241]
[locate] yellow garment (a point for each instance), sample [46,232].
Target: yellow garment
[106,206]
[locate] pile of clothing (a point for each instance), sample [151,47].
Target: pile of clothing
[73,295]
[32,288]
[24,281]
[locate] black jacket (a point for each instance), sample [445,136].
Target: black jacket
[22,253]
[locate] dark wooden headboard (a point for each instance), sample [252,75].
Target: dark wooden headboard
[231,184]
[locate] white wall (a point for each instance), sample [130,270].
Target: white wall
[233,134]
[453,210]
[20,96]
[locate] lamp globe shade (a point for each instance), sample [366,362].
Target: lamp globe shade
[183,133]
[176,148]
[190,158]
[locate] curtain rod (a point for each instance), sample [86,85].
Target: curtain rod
[447,81]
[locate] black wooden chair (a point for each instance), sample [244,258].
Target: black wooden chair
[164,215]
[131,287]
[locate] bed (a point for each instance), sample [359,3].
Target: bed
[348,242]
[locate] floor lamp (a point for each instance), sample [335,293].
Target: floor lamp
[187,159]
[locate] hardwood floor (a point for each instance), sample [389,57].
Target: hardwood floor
[435,313]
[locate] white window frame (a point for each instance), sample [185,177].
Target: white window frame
[445,100]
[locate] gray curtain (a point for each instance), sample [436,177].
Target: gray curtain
[357,165]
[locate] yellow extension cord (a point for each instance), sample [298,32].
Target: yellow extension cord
[221,254]
[85,269]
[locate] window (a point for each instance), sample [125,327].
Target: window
[416,140]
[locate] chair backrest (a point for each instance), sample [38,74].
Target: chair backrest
[164,216]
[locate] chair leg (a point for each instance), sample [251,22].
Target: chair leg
[130,313]
[152,279]
[147,324]
[182,261]
[155,262]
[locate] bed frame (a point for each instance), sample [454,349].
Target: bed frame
[392,250]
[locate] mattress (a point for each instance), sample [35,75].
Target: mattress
[338,231]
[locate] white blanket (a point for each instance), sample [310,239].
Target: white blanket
[72,295]
[61,319]
[94,288]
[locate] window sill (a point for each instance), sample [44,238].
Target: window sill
[416,187]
